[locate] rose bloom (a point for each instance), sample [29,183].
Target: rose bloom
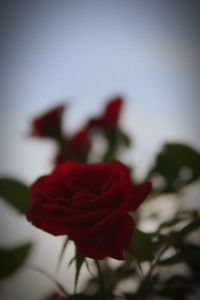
[109,119]
[49,123]
[91,203]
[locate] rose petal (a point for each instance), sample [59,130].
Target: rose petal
[111,243]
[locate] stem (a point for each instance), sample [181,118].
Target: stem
[140,271]
[156,260]
[101,278]
[100,275]
[146,287]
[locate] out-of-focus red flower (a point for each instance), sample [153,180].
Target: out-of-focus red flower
[55,296]
[75,148]
[91,204]
[49,123]
[110,117]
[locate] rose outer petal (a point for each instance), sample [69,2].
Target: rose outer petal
[111,243]
[140,192]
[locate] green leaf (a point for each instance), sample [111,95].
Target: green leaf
[62,251]
[182,216]
[79,260]
[116,140]
[122,272]
[15,193]
[112,147]
[12,259]
[176,238]
[124,139]
[141,246]
[177,287]
[192,226]
[81,296]
[187,253]
[176,166]
[170,223]
[175,259]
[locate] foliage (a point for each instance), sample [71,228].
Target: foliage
[176,166]
[11,259]
[15,193]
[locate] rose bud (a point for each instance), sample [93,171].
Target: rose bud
[110,117]
[49,123]
[75,148]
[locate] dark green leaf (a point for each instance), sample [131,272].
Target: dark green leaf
[12,259]
[122,272]
[116,139]
[176,238]
[187,253]
[112,148]
[170,223]
[116,276]
[124,139]
[182,233]
[177,287]
[63,251]
[175,259]
[81,296]
[141,246]
[176,166]
[15,193]
[79,260]
[194,225]
[191,256]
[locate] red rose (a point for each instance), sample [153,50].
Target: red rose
[75,148]
[55,296]
[110,117]
[91,204]
[49,123]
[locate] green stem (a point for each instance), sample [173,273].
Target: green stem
[101,279]
[140,271]
[145,287]
[156,260]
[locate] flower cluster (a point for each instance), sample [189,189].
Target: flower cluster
[77,146]
[89,203]
[92,200]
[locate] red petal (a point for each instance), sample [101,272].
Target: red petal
[112,112]
[112,242]
[140,192]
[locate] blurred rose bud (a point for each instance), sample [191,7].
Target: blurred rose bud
[75,148]
[49,123]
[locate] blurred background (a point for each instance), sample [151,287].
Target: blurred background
[83,53]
